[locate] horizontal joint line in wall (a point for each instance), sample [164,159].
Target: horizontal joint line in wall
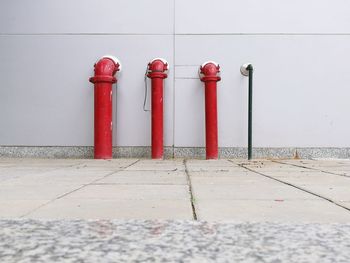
[263,34]
[83,34]
[186,65]
[186,78]
[177,34]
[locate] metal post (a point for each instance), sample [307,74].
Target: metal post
[247,70]
[250,110]
[104,77]
[209,73]
[157,71]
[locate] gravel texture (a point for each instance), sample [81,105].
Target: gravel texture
[171,241]
[171,152]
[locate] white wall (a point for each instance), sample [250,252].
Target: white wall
[300,51]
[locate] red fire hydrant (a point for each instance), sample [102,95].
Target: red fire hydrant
[157,72]
[105,69]
[209,73]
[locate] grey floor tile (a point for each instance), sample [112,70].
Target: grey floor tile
[260,190]
[300,211]
[114,209]
[132,192]
[18,208]
[146,177]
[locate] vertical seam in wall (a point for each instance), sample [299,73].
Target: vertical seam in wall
[174,13]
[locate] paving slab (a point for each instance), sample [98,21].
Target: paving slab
[18,208]
[218,173]
[330,167]
[273,167]
[114,208]
[159,189]
[293,211]
[308,177]
[283,173]
[241,160]
[278,168]
[32,167]
[334,192]
[291,225]
[3,165]
[218,169]
[319,165]
[146,177]
[330,186]
[260,190]
[345,204]
[297,161]
[66,176]
[10,172]
[338,172]
[227,179]
[34,192]
[42,160]
[52,163]
[116,164]
[132,192]
[158,165]
[216,166]
[171,241]
[210,163]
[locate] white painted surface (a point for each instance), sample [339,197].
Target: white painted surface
[300,98]
[86,17]
[47,52]
[47,99]
[261,17]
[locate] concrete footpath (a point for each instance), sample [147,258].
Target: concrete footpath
[277,210]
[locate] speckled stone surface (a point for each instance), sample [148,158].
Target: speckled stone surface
[171,241]
[77,152]
[139,152]
[46,152]
[170,152]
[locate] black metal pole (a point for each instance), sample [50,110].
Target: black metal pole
[250,110]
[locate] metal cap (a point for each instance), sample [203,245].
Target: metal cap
[203,65]
[161,59]
[115,59]
[244,69]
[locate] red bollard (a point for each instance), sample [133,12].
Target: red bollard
[157,71]
[210,75]
[105,70]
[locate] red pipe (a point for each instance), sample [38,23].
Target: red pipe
[105,69]
[209,74]
[157,69]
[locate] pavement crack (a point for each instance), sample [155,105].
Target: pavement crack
[194,213]
[297,187]
[75,190]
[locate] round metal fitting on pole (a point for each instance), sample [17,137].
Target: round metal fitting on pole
[244,69]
